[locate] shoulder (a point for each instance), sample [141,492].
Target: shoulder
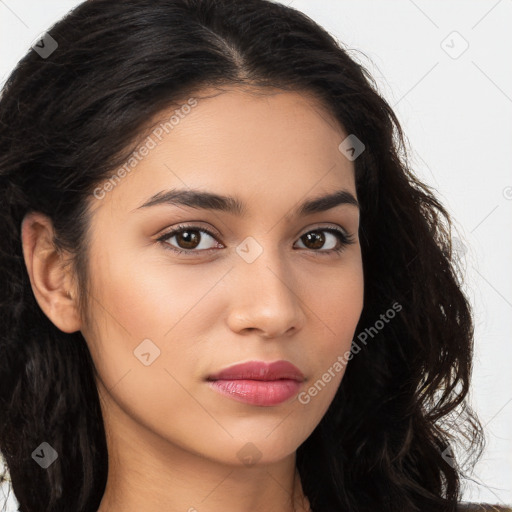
[483,507]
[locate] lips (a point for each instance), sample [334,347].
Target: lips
[258,383]
[260,370]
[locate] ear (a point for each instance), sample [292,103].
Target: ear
[51,279]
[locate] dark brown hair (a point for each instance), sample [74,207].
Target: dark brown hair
[69,119]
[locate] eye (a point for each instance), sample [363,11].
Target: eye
[317,239]
[188,239]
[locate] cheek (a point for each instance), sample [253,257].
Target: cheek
[337,310]
[336,303]
[127,306]
[139,298]
[144,373]
[145,318]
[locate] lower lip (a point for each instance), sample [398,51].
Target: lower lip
[257,392]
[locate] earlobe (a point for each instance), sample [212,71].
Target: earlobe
[50,278]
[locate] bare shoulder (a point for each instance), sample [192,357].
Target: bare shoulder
[483,507]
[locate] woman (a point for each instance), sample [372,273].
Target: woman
[223,288]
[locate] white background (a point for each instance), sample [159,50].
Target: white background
[457,115]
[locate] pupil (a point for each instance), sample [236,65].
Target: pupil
[320,239]
[192,238]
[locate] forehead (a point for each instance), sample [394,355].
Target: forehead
[240,142]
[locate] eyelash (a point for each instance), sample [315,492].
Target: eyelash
[344,239]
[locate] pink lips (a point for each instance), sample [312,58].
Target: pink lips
[258,383]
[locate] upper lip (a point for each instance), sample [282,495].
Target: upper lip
[260,370]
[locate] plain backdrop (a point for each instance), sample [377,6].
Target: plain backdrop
[446,69]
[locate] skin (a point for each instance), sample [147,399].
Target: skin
[173,442]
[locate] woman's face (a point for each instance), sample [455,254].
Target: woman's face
[265,285]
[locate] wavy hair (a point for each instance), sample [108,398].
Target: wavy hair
[388,440]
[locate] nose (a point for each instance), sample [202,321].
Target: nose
[266,297]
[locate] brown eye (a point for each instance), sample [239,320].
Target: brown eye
[188,239]
[194,239]
[315,240]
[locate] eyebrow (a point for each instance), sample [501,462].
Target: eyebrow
[228,204]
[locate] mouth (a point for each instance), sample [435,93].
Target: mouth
[260,370]
[258,382]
